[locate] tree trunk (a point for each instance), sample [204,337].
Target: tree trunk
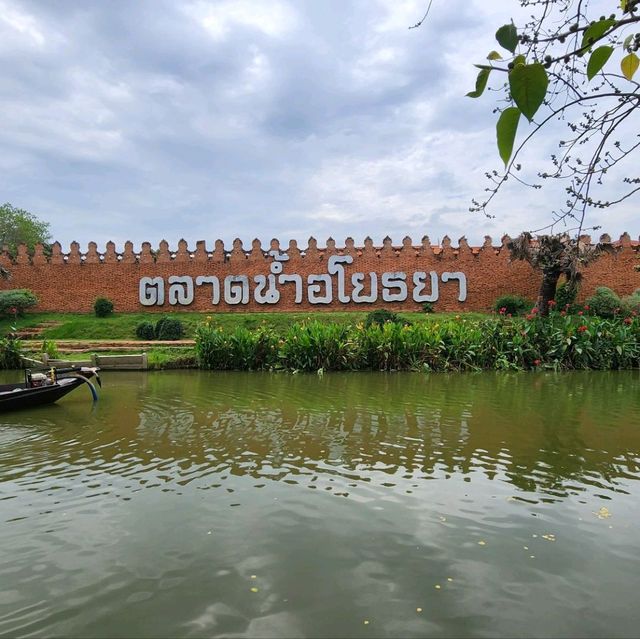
[547,291]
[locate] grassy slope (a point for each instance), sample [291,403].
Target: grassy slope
[123,325]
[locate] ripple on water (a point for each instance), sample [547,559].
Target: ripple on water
[262,505]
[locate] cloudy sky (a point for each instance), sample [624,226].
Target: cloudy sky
[202,119]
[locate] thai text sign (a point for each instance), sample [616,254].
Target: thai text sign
[320,288]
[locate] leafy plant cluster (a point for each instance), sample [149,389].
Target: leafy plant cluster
[607,304]
[16,301]
[166,328]
[560,342]
[10,352]
[382,316]
[103,307]
[511,305]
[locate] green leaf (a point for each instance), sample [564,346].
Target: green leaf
[629,65]
[481,83]
[596,31]
[597,60]
[494,55]
[626,42]
[519,59]
[506,132]
[528,85]
[507,37]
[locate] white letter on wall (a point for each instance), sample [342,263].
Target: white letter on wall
[314,288]
[180,290]
[151,291]
[357,279]
[334,267]
[462,278]
[394,280]
[297,280]
[236,289]
[264,294]
[419,281]
[215,286]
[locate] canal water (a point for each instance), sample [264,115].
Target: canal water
[198,504]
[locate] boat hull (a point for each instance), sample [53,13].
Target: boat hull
[18,396]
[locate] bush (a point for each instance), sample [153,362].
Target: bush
[169,328]
[15,302]
[511,305]
[604,303]
[145,330]
[631,303]
[428,307]
[566,295]
[382,316]
[103,307]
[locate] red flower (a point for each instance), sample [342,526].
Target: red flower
[563,313]
[530,316]
[582,328]
[551,302]
[534,310]
[536,362]
[503,310]
[586,307]
[580,313]
[628,320]
[13,310]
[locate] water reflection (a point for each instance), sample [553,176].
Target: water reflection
[266,505]
[542,433]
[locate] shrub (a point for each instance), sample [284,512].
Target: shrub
[604,303]
[103,307]
[566,295]
[145,330]
[169,328]
[10,352]
[159,325]
[631,303]
[511,305]
[381,316]
[15,302]
[428,307]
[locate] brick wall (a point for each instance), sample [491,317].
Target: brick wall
[71,281]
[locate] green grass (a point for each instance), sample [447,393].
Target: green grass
[122,326]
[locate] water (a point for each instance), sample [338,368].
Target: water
[363,505]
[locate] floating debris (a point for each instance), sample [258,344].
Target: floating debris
[253,577]
[437,586]
[254,589]
[366,622]
[482,543]
[418,609]
[549,537]
[449,579]
[603,513]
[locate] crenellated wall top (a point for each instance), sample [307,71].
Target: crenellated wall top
[256,252]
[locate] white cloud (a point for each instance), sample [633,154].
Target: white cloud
[219,18]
